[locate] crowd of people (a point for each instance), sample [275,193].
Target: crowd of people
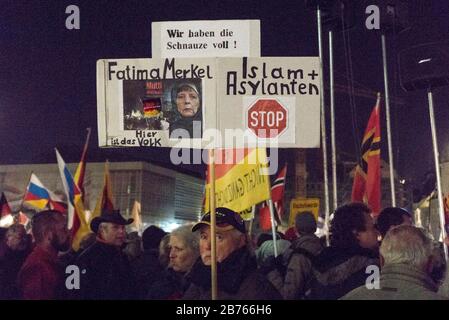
[382,258]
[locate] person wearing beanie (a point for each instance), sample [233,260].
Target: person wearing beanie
[390,217]
[295,283]
[147,267]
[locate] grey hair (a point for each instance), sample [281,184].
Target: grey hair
[406,245]
[190,239]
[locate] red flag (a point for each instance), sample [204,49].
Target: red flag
[277,193]
[106,201]
[81,169]
[446,212]
[264,217]
[366,186]
[5,209]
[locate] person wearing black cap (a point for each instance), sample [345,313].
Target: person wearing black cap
[237,275]
[106,270]
[187,106]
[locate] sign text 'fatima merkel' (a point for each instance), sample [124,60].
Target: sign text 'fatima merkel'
[168,71]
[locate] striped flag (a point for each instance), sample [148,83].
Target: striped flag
[5,209]
[241,179]
[366,185]
[81,169]
[277,193]
[39,197]
[75,204]
[106,200]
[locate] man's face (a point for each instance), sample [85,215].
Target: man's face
[181,256]
[187,102]
[61,237]
[113,234]
[16,240]
[368,238]
[227,242]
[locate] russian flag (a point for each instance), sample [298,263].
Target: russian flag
[36,195]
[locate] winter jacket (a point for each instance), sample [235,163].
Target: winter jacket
[237,279]
[298,276]
[399,282]
[147,270]
[107,275]
[170,285]
[340,270]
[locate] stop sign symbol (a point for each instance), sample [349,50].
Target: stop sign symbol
[267,118]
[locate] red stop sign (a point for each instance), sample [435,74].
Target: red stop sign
[267,118]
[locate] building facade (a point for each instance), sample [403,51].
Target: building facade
[168,198]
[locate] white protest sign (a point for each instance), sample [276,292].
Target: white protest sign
[155,102]
[207,38]
[209,102]
[274,101]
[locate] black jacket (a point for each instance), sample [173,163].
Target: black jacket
[237,279]
[340,270]
[105,274]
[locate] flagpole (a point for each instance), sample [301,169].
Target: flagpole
[437,170]
[273,228]
[212,225]
[334,147]
[387,114]
[250,227]
[323,126]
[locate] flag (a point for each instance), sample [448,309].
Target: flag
[446,213]
[105,201]
[135,214]
[277,193]
[6,218]
[5,209]
[81,169]
[264,217]
[366,185]
[38,196]
[23,219]
[75,204]
[241,179]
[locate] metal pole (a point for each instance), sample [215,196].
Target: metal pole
[387,114]
[273,229]
[323,127]
[334,147]
[212,226]
[437,170]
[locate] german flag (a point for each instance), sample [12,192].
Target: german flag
[366,186]
[241,179]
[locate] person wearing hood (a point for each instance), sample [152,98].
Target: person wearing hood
[296,281]
[187,106]
[237,274]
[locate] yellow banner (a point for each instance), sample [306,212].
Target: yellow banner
[247,214]
[244,183]
[299,205]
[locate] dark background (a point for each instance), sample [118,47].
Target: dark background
[48,85]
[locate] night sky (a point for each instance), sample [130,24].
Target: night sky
[48,85]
